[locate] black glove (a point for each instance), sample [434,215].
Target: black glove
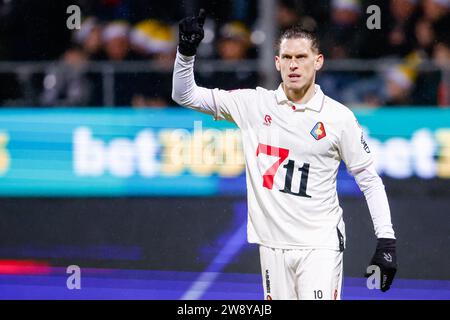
[386,259]
[191,33]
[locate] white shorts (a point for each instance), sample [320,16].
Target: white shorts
[303,274]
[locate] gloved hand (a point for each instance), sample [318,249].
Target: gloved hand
[386,259]
[191,33]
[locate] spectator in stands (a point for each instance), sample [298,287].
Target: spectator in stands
[66,84]
[395,38]
[399,82]
[115,39]
[394,86]
[427,82]
[434,10]
[288,14]
[424,33]
[291,12]
[234,41]
[89,37]
[419,26]
[341,42]
[342,39]
[219,10]
[441,52]
[441,57]
[391,88]
[368,92]
[432,86]
[117,48]
[152,37]
[156,41]
[401,22]
[433,26]
[233,46]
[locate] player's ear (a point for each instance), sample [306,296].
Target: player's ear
[277,63]
[319,62]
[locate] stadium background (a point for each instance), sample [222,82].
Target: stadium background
[100,168]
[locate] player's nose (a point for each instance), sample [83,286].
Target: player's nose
[293,66]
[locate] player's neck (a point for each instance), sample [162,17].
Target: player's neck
[302,95]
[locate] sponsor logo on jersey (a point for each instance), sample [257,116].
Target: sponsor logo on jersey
[318,132]
[267,120]
[268,284]
[364,143]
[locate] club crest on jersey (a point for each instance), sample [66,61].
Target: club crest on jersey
[267,120]
[318,132]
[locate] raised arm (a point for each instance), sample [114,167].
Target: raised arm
[184,89]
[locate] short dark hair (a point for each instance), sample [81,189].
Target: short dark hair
[297,32]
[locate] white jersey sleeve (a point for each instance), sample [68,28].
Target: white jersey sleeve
[352,146]
[184,89]
[222,104]
[356,154]
[234,105]
[372,186]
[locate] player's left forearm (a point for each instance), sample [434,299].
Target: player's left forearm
[372,186]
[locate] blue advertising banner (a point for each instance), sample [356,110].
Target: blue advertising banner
[179,152]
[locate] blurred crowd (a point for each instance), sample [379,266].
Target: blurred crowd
[413,33]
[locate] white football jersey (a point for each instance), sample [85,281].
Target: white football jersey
[292,154]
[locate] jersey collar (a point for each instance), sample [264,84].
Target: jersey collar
[315,103]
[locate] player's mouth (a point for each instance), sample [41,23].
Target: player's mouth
[294,76]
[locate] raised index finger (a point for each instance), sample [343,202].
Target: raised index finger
[201,17]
